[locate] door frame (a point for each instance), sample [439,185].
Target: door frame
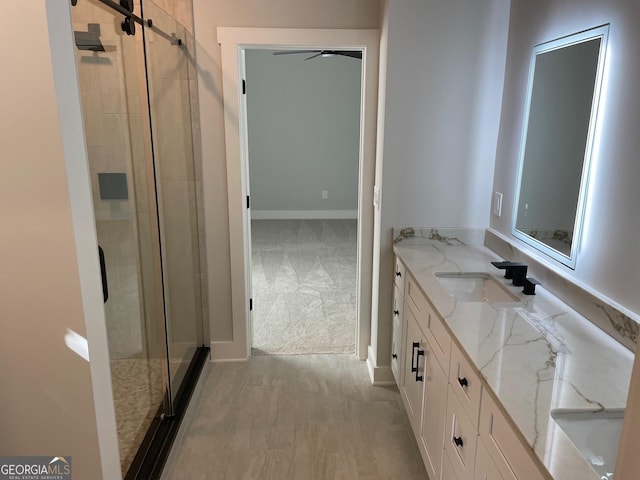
[233,42]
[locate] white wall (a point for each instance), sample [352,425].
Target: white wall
[208,16]
[443,92]
[304,133]
[54,401]
[608,261]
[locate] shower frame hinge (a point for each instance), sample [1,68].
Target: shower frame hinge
[248,202]
[251,304]
[244,86]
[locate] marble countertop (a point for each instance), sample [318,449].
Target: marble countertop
[537,355]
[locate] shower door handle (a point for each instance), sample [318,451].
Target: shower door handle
[103,275]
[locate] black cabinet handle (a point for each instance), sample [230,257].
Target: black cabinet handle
[463,382]
[398,274]
[413,358]
[103,274]
[458,441]
[394,356]
[419,378]
[396,312]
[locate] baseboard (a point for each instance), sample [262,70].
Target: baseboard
[228,352]
[304,214]
[379,375]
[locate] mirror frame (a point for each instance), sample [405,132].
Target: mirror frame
[601,32]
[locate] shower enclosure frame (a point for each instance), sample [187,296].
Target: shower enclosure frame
[152,452]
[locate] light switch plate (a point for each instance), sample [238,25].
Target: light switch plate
[497,204]
[376,197]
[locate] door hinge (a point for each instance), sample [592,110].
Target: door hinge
[248,201]
[251,304]
[244,86]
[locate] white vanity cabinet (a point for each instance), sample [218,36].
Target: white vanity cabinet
[398,323]
[398,330]
[461,432]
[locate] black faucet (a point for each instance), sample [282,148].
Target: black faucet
[530,286]
[513,270]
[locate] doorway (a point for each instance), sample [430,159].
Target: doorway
[303,123]
[234,42]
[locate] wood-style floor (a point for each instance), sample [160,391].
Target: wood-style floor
[303,417]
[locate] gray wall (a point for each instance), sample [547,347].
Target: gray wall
[608,260]
[443,93]
[304,133]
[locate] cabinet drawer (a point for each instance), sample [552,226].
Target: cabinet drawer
[511,456]
[432,326]
[418,301]
[466,383]
[460,438]
[399,274]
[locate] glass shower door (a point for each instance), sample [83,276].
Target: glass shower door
[169,53]
[111,72]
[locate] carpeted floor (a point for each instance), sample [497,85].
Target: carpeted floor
[304,286]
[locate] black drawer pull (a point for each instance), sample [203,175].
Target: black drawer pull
[463,382]
[458,441]
[396,312]
[419,378]
[398,274]
[394,356]
[413,358]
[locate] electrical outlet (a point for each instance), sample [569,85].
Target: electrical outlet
[497,204]
[325,194]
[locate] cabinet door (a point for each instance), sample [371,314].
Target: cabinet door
[434,409]
[485,469]
[413,381]
[397,359]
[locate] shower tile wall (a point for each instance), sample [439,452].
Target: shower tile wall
[114,136]
[182,11]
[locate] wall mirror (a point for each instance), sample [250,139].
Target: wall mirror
[563,94]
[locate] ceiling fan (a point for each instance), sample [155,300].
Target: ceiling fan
[322,53]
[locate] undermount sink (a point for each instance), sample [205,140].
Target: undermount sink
[475,287]
[595,434]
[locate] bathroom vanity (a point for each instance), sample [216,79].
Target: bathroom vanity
[498,384]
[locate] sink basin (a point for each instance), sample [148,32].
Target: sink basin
[475,287]
[595,434]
